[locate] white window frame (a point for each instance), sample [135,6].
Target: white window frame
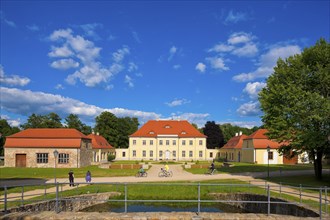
[42,157]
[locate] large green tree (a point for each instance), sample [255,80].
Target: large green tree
[296,103]
[5,130]
[214,135]
[115,130]
[73,121]
[52,120]
[126,127]
[230,130]
[107,125]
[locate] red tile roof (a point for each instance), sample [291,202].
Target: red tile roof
[46,138]
[99,142]
[49,133]
[235,142]
[181,128]
[261,141]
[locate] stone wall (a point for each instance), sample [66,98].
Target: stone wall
[282,209]
[74,203]
[85,153]
[31,157]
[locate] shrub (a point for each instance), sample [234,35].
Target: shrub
[111,157]
[197,162]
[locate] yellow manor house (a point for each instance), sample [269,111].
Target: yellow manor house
[171,140]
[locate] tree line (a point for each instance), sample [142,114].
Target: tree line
[114,129]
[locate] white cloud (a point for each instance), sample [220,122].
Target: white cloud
[11,122]
[177,66]
[249,109]
[201,67]
[6,21]
[267,62]
[177,102]
[235,17]
[91,74]
[132,67]
[217,63]
[89,30]
[240,44]
[197,118]
[129,81]
[109,87]
[136,37]
[248,50]
[12,80]
[84,58]
[33,27]
[59,86]
[26,102]
[172,51]
[120,54]
[253,89]
[239,37]
[64,64]
[244,124]
[60,52]
[221,48]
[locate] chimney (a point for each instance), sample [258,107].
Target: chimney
[236,134]
[240,133]
[97,133]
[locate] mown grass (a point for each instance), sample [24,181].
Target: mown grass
[172,191]
[49,173]
[248,167]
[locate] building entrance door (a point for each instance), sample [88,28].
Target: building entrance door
[167,155]
[20,160]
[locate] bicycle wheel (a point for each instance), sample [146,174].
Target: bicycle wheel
[170,174]
[161,174]
[145,174]
[137,175]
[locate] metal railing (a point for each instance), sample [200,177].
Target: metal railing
[278,190]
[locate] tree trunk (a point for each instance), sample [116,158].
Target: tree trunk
[318,165]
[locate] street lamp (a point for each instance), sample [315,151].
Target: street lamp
[268,150]
[55,158]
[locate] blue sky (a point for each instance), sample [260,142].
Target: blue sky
[195,60]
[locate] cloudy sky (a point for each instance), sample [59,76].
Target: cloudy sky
[195,60]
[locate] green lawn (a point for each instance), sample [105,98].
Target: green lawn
[248,167]
[161,191]
[48,173]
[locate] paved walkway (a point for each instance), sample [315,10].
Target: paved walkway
[179,174]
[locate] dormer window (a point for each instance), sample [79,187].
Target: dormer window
[151,132]
[183,132]
[167,126]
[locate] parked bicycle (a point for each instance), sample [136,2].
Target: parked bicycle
[164,173]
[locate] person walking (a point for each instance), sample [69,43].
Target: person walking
[212,168]
[71,178]
[88,177]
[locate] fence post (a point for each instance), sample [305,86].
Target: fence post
[56,202]
[326,199]
[22,196]
[199,198]
[320,200]
[5,200]
[266,186]
[125,197]
[300,193]
[280,189]
[268,195]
